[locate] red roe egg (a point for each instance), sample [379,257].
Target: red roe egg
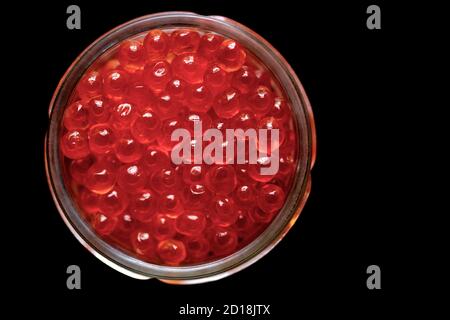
[197,248]
[209,45]
[125,225]
[220,124]
[230,55]
[270,124]
[172,252]
[199,98]
[221,179]
[74,144]
[128,149]
[184,40]
[143,205]
[176,89]
[279,109]
[90,85]
[76,116]
[79,167]
[162,227]
[132,177]
[265,78]
[156,75]
[260,216]
[111,161]
[223,240]
[99,110]
[216,78]
[260,100]
[146,126]
[131,55]
[255,170]
[190,67]
[244,79]
[167,127]
[109,65]
[244,222]
[245,195]
[270,198]
[194,118]
[100,177]
[242,173]
[115,84]
[122,115]
[196,196]
[116,140]
[226,104]
[103,224]
[164,180]
[244,120]
[101,138]
[140,94]
[170,204]
[247,228]
[142,242]
[193,173]
[223,211]
[113,203]
[155,159]
[191,223]
[167,106]
[156,44]
[89,201]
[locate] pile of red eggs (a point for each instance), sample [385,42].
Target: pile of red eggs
[116,142]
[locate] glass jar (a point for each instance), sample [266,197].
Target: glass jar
[294,202]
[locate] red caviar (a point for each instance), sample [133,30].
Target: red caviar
[117,146]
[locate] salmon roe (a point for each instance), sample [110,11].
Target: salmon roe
[118,151]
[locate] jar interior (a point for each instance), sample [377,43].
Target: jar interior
[288,160]
[103,49]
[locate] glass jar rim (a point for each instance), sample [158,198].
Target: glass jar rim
[294,203]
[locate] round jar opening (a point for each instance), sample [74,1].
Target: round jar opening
[140,158]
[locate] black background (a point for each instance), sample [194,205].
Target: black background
[353,77]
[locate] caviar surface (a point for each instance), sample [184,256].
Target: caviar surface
[117,147]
